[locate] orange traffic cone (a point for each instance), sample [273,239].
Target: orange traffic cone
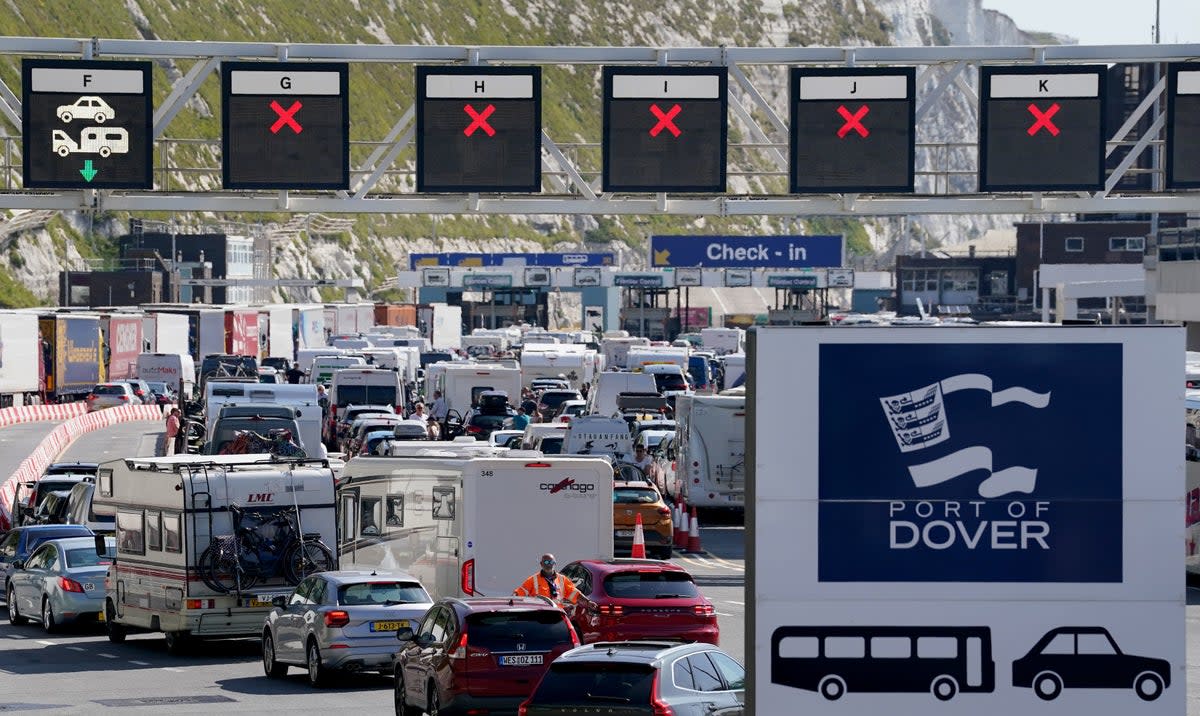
[681,528]
[693,543]
[639,540]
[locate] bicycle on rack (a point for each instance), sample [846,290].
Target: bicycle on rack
[239,561]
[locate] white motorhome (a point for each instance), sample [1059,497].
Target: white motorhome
[641,356]
[468,526]
[576,363]
[324,367]
[710,444]
[616,350]
[367,386]
[461,383]
[599,435]
[723,341]
[735,369]
[20,346]
[602,398]
[302,398]
[173,514]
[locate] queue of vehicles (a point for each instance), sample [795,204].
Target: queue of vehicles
[377,542]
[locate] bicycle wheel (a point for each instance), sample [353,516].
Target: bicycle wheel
[221,571]
[304,558]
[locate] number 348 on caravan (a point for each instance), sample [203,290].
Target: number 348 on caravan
[93,140]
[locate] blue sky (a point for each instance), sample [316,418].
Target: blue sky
[1105,22]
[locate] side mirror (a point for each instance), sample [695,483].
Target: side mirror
[405,634]
[101,546]
[280,601]
[18,564]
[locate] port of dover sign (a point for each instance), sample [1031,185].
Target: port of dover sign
[982,520]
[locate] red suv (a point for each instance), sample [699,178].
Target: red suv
[641,599]
[478,655]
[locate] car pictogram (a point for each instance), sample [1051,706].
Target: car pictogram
[87,107]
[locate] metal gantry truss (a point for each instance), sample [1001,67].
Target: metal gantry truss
[946,76]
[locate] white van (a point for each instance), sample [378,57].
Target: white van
[324,367]
[367,386]
[602,398]
[176,370]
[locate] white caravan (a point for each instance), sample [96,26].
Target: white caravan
[710,444]
[723,341]
[171,510]
[461,383]
[468,526]
[602,398]
[616,350]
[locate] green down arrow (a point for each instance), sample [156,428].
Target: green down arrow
[88,172]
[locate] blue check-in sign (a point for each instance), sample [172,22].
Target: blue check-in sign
[747,251]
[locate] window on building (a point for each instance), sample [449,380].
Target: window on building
[998,283]
[1074,243]
[1127,243]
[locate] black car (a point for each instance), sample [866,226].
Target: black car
[1088,658]
[641,677]
[480,426]
[19,543]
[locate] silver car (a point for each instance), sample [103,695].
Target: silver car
[62,581]
[111,395]
[342,621]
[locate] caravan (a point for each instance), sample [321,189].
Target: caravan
[462,383]
[470,525]
[711,450]
[205,543]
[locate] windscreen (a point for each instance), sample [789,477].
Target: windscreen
[596,684]
[383,592]
[669,381]
[366,395]
[650,585]
[503,631]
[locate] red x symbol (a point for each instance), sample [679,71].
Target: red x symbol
[1043,119]
[479,120]
[286,117]
[853,121]
[665,120]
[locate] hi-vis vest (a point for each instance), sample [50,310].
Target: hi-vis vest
[537,586]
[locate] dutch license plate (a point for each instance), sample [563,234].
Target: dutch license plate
[100,617]
[624,533]
[261,602]
[520,659]
[389,626]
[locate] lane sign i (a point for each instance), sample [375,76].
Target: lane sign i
[285,125]
[1042,128]
[86,124]
[853,129]
[665,129]
[479,129]
[1183,126]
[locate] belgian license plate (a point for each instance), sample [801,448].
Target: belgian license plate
[624,533]
[389,626]
[520,659]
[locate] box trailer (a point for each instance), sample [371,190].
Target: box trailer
[72,355]
[122,344]
[20,372]
[166,332]
[241,332]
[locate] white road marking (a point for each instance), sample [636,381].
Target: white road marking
[730,601]
[47,643]
[76,648]
[17,636]
[140,663]
[722,614]
[108,656]
[172,668]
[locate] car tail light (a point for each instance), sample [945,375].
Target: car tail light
[664,511]
[124,397]
[399,410]
[660,707]
[468,577]
[91,396]
[523,709]
[69,585]
[704,610]
[138,392]
[461,651]
[201,603]
[474,429]
[337,618]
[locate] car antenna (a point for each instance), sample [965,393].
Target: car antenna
[374,573]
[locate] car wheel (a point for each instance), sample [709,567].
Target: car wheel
[272,668]
[317,674]
[1148,686]
[177,642]
[400,694]
[116,632]
[48,622]
[832,688]
[14,616]
[944,688]
[434,707]
[1047,686]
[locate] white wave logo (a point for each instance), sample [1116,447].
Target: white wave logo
[918,420]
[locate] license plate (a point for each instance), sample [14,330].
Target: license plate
[100,616]
[389,626]
[624,533]
[520,660]
[261,603]
[88,586]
